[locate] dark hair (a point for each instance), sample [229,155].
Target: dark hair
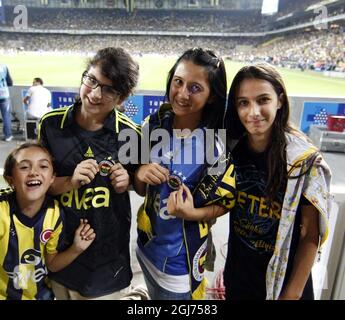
[39,80]
[118,66]
[213,112]
[276,150]
[11,158]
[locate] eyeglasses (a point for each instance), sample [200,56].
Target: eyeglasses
[108,92]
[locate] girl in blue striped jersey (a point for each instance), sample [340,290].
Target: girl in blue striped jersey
[181,195]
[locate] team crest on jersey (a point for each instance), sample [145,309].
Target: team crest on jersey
[31,256]
[198,262]
[45,235]
[104,166]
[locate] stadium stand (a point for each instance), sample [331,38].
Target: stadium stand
[243,35]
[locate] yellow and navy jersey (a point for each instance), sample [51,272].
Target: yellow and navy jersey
[23,243]
[105,266]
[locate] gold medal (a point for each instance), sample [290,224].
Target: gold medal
[104,167]
[174,181]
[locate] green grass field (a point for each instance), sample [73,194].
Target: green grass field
[65,71]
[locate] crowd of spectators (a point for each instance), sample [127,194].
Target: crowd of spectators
[319,50]
[322,50]
[305,48]
[134,44]
[144,20]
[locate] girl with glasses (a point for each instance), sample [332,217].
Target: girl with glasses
[91,183]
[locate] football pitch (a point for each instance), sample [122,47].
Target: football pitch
[65,71]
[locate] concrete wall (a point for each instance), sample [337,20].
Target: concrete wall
[296,101]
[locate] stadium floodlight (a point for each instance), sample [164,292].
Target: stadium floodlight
[269,7]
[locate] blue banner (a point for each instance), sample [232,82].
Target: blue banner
[318,112]
[59,98]
[62,98]
[151,104]
[134,108]
[137,107]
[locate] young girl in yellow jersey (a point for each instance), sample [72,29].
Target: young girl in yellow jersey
[31,225]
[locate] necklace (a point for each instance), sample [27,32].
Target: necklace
[182,133]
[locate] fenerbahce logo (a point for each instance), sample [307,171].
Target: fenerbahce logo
[198,262]
[105,166]
[30,269]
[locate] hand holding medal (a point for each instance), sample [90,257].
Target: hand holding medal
[118,176]
[152,174]
[84,173]
[181,204]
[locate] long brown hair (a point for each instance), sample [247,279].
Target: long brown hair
[276,150]
[214,111]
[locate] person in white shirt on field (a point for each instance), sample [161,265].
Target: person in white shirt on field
[37,99]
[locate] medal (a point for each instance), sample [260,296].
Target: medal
[174,181]
[104,167]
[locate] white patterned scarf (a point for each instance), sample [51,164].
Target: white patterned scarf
[315,186]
